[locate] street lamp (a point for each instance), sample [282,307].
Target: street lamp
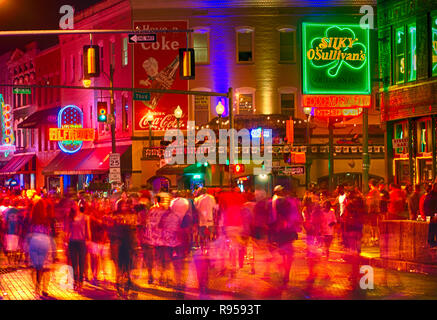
[220,109]
[149,119]
[178,114]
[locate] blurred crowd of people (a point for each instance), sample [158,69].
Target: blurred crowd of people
[216,229]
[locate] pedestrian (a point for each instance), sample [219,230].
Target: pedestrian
[385,199]
[153,245]
[397,202]
[40,244]
[205,205]
[329,221]
[98,240]
[14,219]
[353,222]
[430,210]
[373,206]
[285,232]
[414,202]
[171,226]
[77,233]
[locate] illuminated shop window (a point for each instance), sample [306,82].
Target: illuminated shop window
[399,47]
[201,45]
[401,132]
[288,104]
[287,45]
[434,43]
[244,45]
[424,136]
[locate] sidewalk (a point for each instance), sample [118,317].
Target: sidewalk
[264,284]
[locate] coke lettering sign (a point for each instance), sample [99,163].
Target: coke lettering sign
[157,67]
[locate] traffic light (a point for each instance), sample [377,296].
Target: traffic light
[91,61]
[102,112]
[186,64]
[239,168]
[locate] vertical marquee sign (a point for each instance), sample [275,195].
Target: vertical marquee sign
[7,132]
[335,59]
[70,133]
[157,67]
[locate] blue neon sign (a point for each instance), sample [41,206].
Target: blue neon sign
[70,117]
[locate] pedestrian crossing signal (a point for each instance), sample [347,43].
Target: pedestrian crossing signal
[102,112]
[186,64]
[91,61]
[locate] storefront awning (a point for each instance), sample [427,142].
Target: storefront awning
[41,117]
[177,169]
[88,161]
[16,164]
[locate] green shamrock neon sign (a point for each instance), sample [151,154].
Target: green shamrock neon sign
[338,49]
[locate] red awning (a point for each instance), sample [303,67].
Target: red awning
[85,161]
[16,164]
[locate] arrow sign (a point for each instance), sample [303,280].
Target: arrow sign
[142,38]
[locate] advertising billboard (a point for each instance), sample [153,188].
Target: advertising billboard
[156,66]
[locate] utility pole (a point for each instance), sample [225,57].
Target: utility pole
[111,80]
[331,154]
[231,126]
[366,158]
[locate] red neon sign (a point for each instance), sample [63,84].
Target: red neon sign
[326,112]
[336,101]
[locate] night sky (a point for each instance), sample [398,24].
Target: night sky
[33,14]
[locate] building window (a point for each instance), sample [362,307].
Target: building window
[245,103]
[201,110]
[287,41]
[65,71]
[125,113]
[81,65]
[411,52]
[102,57]
[73,69]
[434,43]
[399,47]
[405,53]
[424,136]
[288,104]
[245,45]
[401,132]
[125,53]
[201,45]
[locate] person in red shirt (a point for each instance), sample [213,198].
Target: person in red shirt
[230,203]
[397,202]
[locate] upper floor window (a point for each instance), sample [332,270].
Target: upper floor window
[287,104]
[201,45]
[73,68]
[125,53]
[245,98]
[434,43]
[405,53]
[287,41]
[245,44]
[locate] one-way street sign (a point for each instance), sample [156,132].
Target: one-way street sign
[141,38]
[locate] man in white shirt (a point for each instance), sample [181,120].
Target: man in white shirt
[205,205]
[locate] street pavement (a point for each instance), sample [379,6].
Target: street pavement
[332,282]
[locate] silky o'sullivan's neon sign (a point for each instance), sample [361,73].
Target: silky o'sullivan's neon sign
[335,59]
[70,133]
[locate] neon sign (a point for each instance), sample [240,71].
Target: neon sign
[335,59]
[336,101]
[70,133]
[434,43]
[336,112]
[7,132]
